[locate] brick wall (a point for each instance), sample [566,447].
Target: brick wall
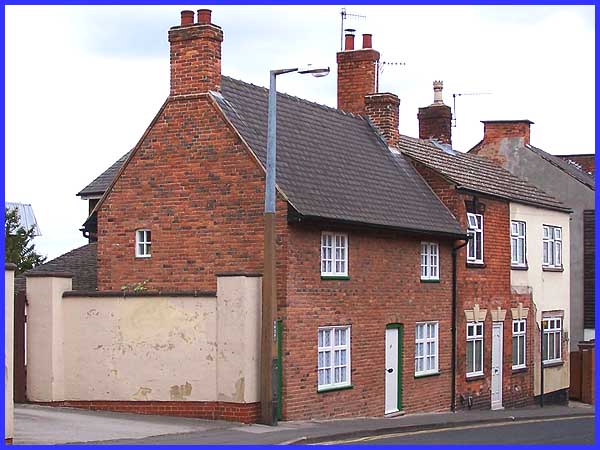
[356,78]
[489,287]
[384,287]
[194,185]
[195,58]
[435,122]
[236,412]
[383,110]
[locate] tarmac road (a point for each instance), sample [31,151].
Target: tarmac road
[565,430]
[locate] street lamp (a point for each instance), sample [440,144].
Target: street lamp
[268,364]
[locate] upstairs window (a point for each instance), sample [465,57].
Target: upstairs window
[430,263]
[334,254]
[143,243]
[475,231]
[552,247]
[517,243]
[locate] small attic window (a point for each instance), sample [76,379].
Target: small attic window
[143,243]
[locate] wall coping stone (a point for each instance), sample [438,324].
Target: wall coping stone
[239,274]
[139,294]
[10,266]
[49,274]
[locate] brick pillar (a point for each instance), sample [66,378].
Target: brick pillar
[357,74]
[195,54]
[384,111]
[435,120]
[587,352]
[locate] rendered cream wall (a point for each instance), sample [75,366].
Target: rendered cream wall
[9,296]
[145,348]
[551,290]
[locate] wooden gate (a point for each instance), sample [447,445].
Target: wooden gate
[19,355]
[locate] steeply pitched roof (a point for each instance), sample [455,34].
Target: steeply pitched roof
[81,262]
[333,165]
[569,169]
[476,173]
[100,184]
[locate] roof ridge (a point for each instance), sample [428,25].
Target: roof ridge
[298,99]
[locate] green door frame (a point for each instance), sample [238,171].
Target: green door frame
[279,372]
[400,328]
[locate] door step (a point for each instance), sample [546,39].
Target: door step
[394,414]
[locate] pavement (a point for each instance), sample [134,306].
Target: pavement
[50,425]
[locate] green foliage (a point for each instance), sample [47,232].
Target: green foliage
[19,248]
[135,287]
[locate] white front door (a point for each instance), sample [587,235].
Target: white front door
[497,365]
[391,370]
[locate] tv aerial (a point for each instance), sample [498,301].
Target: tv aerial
[460,95]
[346,15]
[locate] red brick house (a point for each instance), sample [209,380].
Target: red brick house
[186,204]
[367,232]
[484,198]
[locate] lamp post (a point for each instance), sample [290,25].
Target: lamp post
[268,361]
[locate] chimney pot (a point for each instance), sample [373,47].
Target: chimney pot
[367,41]
[438,86]
[204,16]
[187,18]
[349,42]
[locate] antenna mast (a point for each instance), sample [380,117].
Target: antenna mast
[344,15]
[460,95]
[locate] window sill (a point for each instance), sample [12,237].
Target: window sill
[475,265]
[516,370]
[337,388]
[553,269]
[142,256]
[335,277]
[425,375]
[554,364]
[430,280]
[519,267]
[475,377]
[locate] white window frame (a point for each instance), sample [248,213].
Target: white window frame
[552,247]
[430,261]
[519,333]
[334,252]
[518,243]
[552,327]
[143,243]
[474,228]
[430,346]
[471,341]
[331,349]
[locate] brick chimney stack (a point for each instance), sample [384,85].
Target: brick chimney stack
[357,71]
[496,130]
[384,111]
[195,54]
[435,120]
[500,137]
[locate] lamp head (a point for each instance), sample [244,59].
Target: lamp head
[314,71]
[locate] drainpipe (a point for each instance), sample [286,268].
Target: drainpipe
[454,317]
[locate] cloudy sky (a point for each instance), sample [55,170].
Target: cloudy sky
[83,82]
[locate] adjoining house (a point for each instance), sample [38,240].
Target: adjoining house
[507,142]
[515,277]
[366,251]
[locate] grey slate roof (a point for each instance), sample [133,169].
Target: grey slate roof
[333,165]
[81,262]
[476,173]
[569,169]
[100,184]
